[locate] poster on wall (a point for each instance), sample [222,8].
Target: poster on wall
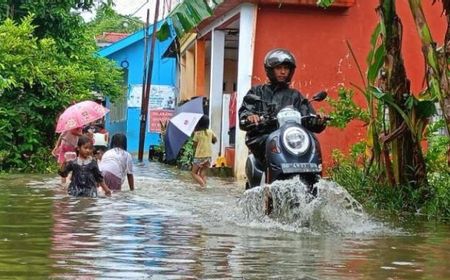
[158,116]
[161,97]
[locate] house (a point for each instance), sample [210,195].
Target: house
[107,38]
[224,52]
[124,116]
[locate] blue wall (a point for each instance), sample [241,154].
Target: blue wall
[131,49]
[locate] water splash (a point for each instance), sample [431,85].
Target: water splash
[333,210]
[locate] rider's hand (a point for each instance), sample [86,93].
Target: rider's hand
[322,118]
[321,115]
[253,119]
[319,121]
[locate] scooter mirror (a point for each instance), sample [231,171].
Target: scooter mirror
[251,98]
[320,96]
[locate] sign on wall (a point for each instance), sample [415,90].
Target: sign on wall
[161,97]
[157,117]
[161,104]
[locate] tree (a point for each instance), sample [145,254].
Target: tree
[59,20]
[108,20]
[47,61]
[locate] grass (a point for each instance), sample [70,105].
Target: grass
[372,191]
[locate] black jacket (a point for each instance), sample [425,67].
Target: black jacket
[282,97]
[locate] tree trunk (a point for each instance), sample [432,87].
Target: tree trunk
[407,164]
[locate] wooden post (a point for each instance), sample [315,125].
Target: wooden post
[146,95]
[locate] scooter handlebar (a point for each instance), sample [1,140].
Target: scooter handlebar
[325,118]
[264,120]
[245,122]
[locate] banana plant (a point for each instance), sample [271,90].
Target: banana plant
[374,60]
[437,60]
[386,87]
[401,140]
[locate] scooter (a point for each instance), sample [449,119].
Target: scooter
[291,150]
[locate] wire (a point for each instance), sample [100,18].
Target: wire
[132,14]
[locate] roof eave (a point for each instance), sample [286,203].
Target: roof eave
[125,42]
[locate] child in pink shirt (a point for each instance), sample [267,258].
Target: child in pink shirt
[67,143]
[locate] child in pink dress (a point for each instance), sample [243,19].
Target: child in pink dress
[67,143]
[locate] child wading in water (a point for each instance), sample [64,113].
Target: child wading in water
[203,140]
[67,143]
[117,163]
[85,172]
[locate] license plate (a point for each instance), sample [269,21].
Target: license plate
[296,167]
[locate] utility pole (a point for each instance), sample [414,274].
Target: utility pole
[144,77]
[147,86]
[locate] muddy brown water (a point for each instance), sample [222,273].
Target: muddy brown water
[171,229]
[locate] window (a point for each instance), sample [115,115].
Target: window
[118,110]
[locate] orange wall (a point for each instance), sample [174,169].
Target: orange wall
[317,39]
[200,67]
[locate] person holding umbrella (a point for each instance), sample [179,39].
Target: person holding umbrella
[203,140]
[181,126]
[70,124]
[188,118]
[66,146]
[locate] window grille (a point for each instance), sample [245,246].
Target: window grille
[118,110]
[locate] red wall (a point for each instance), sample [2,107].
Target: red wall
[317,39]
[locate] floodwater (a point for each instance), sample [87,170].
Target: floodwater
[168,228]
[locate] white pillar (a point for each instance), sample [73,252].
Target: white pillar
[216,86]
[247,27]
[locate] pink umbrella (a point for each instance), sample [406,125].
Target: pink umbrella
[79,115]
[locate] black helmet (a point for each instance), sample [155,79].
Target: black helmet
[276,57]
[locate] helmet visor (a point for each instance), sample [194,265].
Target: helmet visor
[278,57]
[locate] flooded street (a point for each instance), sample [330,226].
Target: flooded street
[171,229]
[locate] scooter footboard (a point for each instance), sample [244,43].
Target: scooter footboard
[254,172]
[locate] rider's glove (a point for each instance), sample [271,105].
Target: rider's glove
[316,124]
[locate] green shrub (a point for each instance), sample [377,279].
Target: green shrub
[37,81]
[438,143]
[186,155]
[372,191]
[438,205]
[345,109]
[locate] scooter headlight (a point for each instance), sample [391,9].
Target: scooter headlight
[296,140]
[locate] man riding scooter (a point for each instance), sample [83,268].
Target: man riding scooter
[279,65]
[269,99]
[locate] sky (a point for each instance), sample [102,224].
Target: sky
[136,7]
[139,8]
